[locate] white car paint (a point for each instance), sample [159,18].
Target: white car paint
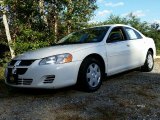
[118,57]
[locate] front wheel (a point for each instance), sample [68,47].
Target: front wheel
[149,63]
[90,75]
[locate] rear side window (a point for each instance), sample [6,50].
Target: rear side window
[132,34]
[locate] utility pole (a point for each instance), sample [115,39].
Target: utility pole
[4,17]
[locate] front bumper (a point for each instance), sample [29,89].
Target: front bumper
[50,76]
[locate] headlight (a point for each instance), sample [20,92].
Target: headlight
[57,59]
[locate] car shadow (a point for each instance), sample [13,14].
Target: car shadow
[15,92]
[122,74]
[6,91]
[49,92]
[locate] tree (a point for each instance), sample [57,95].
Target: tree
[38,23]
[27,25]
[77,13]
[68,15]
[42,11]
[116,19]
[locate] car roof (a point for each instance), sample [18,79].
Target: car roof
[117,25]
[113,25]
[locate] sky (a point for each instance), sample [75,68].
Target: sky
[146,10]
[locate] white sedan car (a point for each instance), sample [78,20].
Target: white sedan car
[84,58]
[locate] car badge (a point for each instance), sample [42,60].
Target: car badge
[14,70]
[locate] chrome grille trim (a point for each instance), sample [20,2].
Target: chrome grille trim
[24,81]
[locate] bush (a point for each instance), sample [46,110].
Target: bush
[1,73]
[5,58]
[21,47]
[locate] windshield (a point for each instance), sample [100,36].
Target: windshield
[85,36]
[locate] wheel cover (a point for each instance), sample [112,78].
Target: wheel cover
[93,75]
[150,61]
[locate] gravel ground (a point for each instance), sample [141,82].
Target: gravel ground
[130,95]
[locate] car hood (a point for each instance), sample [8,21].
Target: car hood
[49,51]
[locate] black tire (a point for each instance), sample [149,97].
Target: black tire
[149,63]
[91,74]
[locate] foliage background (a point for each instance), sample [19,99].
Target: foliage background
[33,26]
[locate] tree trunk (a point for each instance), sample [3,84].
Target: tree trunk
[42,11]
[69,26]
[10,43]
[69,21]
[56,28]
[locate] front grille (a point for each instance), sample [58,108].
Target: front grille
[49,79]
[20,71]
[22,63]
[16,68]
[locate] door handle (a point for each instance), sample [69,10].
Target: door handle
[128,45]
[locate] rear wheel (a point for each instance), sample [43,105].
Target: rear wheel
[90,75]
[149,63]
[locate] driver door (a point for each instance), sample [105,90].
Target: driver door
[117,51]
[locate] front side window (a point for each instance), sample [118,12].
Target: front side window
[132,34]
[116,35]
[85,36]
